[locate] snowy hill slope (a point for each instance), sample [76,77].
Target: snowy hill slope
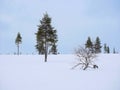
[31,73]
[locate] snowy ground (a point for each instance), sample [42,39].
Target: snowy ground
[31,73]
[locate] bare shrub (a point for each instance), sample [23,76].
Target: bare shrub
[85,58]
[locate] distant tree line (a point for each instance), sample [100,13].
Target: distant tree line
[96,46]
[93,47]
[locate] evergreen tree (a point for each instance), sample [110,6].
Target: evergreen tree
[114,51]
[105,48]
[89,44]
[46,36]
[97,45]
[108,49]
[18,41]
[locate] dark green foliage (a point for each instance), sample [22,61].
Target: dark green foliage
[94,47]
[53,49]
[46,36]
[97,45]
[18,41]
[89,44]
[106,49]
[114,51]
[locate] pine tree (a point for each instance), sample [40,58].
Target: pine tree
[18,41]
[97,45]
[108,49]
[46,36]
[89,44]
[105,48]
[114,51]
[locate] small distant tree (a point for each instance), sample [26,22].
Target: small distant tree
[89,45]
[18,41]
[114,51]
[108,49]
[85,58]
[105,48]
[97,45]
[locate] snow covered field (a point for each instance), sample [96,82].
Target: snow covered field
[27,72]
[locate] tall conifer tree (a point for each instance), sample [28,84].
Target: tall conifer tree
[46,36]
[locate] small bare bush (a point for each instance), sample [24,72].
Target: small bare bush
[85,58]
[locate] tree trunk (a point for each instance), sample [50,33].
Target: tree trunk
[18,49]
[46,51]
[45,56]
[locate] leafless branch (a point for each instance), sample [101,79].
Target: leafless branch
[86,58]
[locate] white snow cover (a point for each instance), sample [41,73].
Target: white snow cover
[30,72]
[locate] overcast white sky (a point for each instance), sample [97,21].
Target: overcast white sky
[74,20]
